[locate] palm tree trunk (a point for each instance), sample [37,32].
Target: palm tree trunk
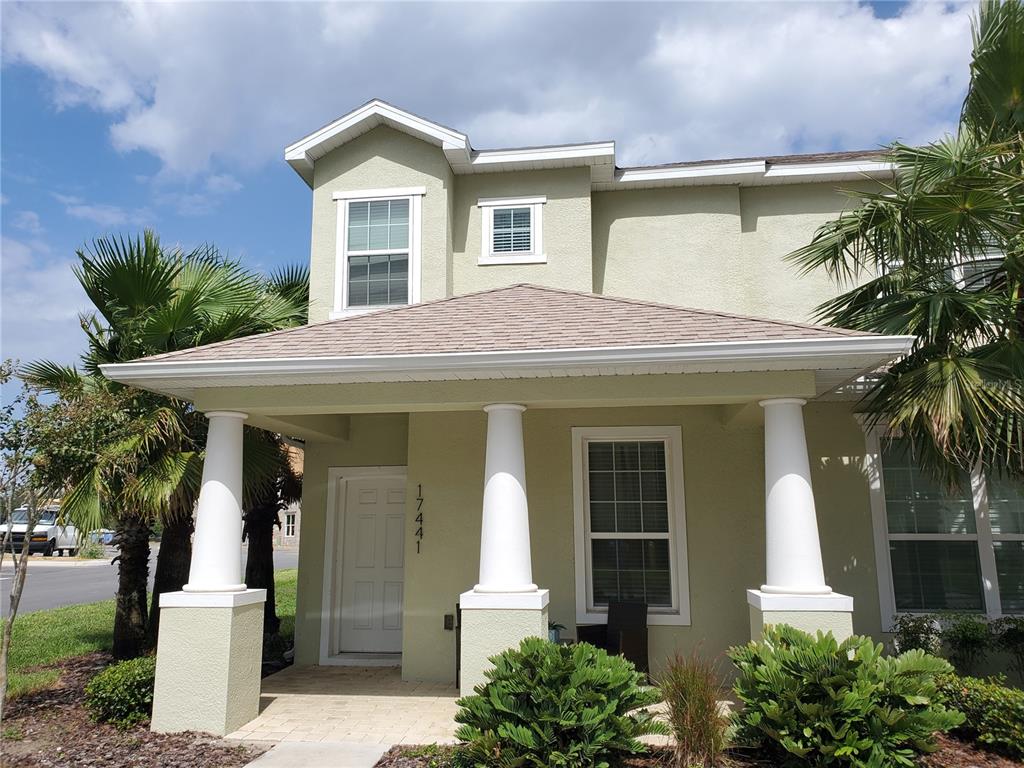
[259,563]
[172,563]
[132,541]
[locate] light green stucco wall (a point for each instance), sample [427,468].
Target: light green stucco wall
[382,158]
[714,247]
[566,229]
[374,440]
[724,493]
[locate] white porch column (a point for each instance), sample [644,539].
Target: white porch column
[216,549]
[210,647]
[505,606]
[794,591]
[505,564]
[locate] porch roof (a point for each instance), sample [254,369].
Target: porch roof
[521,331]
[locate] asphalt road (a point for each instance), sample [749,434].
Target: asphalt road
[54,581]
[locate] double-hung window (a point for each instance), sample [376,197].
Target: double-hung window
[511,230]
[378,239]
[940,547]
[630,525]
[289,525]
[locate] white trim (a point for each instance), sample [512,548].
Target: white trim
[812,353]
[505,601]
[536,255]
[510,202]
[602,152]
[414,250]
[212,599]
[766,601]
[379,194]
[679,614]
[330,618]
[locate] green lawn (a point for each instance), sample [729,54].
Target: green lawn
[45,637]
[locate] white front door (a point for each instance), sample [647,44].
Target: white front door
[372,553]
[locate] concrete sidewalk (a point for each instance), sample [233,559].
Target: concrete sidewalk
[337,754]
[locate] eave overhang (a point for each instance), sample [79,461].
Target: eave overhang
[842,357]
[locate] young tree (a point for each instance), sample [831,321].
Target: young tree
[940,253]
[24,429]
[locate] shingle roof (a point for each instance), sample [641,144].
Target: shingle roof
[516,318]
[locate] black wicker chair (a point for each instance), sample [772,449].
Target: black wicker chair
[625,634]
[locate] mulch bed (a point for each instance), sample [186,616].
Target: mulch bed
[952,753]
[52,729]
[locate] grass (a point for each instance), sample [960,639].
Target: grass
[46,637]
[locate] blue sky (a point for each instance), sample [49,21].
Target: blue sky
[174,116]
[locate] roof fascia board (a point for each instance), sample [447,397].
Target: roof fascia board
[595,152]
[750,172]
[884,347]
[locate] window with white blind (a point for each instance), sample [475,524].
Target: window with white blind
[511,230]
[630,525]
[378,242]
[939,547]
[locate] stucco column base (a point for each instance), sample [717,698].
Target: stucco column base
[493,622]
[810,613]
[208,660]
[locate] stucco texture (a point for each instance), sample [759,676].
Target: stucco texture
[487,632]
[382,158]
[839,623]
[723,468]
[566,229]
[208,668]
[714,247]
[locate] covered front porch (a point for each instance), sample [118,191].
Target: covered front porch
[482,469]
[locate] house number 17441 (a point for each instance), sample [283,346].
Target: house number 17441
[419,517]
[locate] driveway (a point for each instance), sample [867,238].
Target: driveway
[54,581]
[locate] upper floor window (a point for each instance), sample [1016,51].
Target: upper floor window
[378,244]
[511,230]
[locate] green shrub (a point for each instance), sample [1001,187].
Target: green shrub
[692,691]
[910,632]
[814,701]
[92,550]
[1009,638]
[556,706]
[994,712]
[968,638]
[122,693]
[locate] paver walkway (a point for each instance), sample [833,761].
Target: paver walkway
[358,705]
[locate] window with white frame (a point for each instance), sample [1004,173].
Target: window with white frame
[512,230]
[943,546]
[378,244]
[630,525]
[289,525]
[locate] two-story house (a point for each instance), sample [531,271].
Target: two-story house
[535,383]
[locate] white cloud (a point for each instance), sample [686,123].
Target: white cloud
[41,300]
[209,86]
[103,214]
[28,221]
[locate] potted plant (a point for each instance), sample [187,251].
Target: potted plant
[555,631]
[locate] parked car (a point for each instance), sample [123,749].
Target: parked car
[48,535]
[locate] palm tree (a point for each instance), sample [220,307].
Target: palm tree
[939,254]
[150,300]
